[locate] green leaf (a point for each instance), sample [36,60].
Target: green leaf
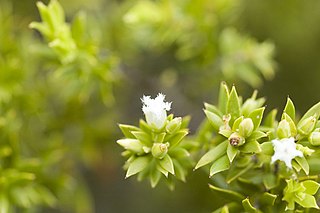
[234,173]
[292,125]
[290,109]
[155,176]
[233,105]
[271,118]
[137,165]
[236,123]
[257,135]
[143,137]
[270,181]
[223,97]
[225,132]
[213,109]
[144,126]
[302,161]
[133,145]
[250,147]
[308,202]
[214,119]
[229,194]
[311,186]
[213,154]
[179,153]
[311,112]
[167,164]
[248,207]
[256,116]
[267,148]
[220,165]
[177,138]
[231,152]
[127,129]
[268,198]
[179,171]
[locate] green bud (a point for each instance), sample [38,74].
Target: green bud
[283,130]
[159,150]
[307,125]
[246,127]
[304,149]
[174,125]
[236,139]
[314,138]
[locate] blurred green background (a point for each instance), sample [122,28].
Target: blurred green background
[182,56]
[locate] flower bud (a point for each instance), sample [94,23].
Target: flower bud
[307,125]
[159,150]
[283,130]
[174,125]
[246,127]
[314,138]
[236,139]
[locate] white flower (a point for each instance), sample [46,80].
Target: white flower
[285,150]
[155,110]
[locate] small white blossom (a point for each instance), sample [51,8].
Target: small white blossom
[285,150]
[155,110]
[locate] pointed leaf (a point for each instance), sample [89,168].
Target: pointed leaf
[257,135]
[290,109]
[233,105]
[229,194]
[142,137]
[292,125]
[256,116]
[214,119]
[268,198]
[223,97]
[271,118]
[270,181]
[167,164]
[177,138]
[231,152]
[302,161]
[267,148]
[213,109]
[251,147]
[137,165]
[312,111]
[220,165]
[127,129]
[235,172]
[155,176]
[225,132]
[236,123]
[213,154]
[308,202]
[311,186]
[248,207]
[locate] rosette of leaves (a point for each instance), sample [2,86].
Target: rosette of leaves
[82,62]
[154,153]
[302,131]
[236,126]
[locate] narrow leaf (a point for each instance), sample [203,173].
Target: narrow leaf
[268,198]
[213,154]
[248,207]
[290,109]
[155,176]
[270,118]
[311,186]
[214,119]
[220,165]
[251,147]
[177,138]
[143,137]
[223,97]
[256,116]
[167,164]
[312,111]
[233,105]
[231,152]
[308,202]
[127,129]
[302,161]
[229,194]
[137,165]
